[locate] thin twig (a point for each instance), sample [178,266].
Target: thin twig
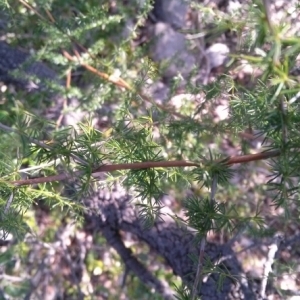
[8,203]
[65,103]
[295,98]
[267,7]
[49,15]
[283,108]
[213,189]
[39,167]
[142,165]
[120,83]
[273,248]
[28,6]
[275,35]
[199,268]
[200,42]
[199,274]
[105,168]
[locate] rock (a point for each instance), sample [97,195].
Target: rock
[179,100]
[217,54]
[233,6]
[12,59]
[158,91]
[170,49]
[172,12]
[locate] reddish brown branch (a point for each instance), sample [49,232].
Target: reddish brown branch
[252,157]
[121,83]
[143,165]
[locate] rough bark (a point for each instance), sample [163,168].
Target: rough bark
[114,209]
[12,59]
[20,69]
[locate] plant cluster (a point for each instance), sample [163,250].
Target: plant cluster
[151,148]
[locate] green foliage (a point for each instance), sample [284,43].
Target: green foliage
[135,133]
[183,293]
[211,169]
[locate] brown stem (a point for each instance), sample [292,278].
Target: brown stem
[253,157]
[121,83]
[143,165]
